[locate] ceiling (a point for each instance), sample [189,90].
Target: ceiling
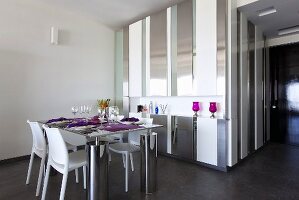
[115,13]
[287,15]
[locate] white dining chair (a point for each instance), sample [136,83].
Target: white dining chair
[127,150]
[61,160]
[39,148]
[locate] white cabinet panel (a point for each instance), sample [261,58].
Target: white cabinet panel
[205,70]
[207,140]
[135,59]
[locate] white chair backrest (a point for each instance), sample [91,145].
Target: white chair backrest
[57,147]
[134,137]
[39,141]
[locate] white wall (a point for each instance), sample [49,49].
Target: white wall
[39,80]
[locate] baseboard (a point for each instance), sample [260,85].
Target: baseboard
[16,159]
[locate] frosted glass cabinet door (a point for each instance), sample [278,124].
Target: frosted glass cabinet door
[184,50]
[135,59]
[126,61]
[158,54]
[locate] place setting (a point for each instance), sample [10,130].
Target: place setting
[108,119]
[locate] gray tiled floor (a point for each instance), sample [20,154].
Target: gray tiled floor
[272,173]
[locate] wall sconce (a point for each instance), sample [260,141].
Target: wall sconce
[54,35]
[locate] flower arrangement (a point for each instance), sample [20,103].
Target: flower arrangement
[103,103]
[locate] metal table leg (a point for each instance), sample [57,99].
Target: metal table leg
[148,148]
[97,170]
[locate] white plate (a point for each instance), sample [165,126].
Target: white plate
[78,128]
[126,122]
[139,123]
[59,122]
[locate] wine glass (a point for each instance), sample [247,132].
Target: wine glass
[163,108]
[195,108]
[88,110]
[114,112]
[213,109]
[82,110]
[102,113]
[75,109]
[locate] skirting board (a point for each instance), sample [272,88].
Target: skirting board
[16,159]
[223,169]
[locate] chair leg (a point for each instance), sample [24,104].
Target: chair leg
[76,170]
[40,176]
[84,177]
[124,160]
[30,167]
[63,185]
[77,175]
[46,181]
[132,163]
[109,154]
[127,171]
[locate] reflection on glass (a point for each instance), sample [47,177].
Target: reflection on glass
[184,49]
[158,54]
[293,96]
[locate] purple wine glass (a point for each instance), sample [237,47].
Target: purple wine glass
[195,108]
[213,109]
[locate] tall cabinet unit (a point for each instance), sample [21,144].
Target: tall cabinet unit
[172,56]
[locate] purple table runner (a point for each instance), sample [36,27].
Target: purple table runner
[57,120]
[111,127]
[119,127]
[82,123]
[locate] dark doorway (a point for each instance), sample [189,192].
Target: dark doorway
[284,72]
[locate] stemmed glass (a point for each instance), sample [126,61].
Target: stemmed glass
[75,109]
[102,114]
[163,108]
[83,110]
[195,108]
[88,110]
[213,109]
[114,113]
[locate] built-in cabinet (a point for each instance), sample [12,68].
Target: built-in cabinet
[182,142]
[177,56]
[201,140]
[163,132]
[207,141]
[174,52]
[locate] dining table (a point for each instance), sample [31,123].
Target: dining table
[98,137]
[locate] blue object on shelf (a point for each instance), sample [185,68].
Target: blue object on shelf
[157,110]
